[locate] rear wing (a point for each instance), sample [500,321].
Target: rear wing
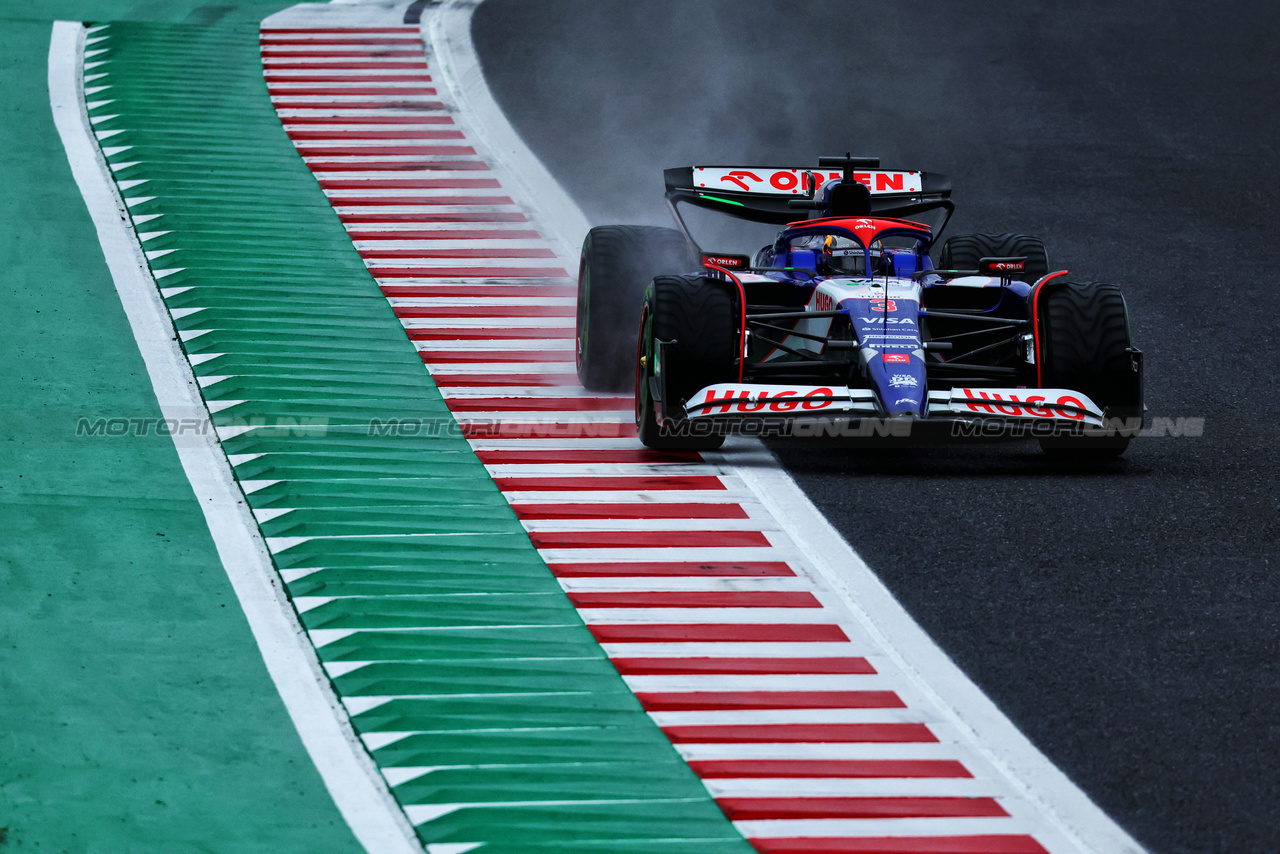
[761,194]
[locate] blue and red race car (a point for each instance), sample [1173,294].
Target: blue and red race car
[843,325]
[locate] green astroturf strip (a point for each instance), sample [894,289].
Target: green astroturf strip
[135,711]
[406,553]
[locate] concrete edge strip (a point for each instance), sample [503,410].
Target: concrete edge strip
[348,772]
[447,28]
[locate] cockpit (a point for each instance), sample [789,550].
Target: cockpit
[834,254]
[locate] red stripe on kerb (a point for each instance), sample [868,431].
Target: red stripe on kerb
[409,183]
[579,430]
[285,31]
[331,167]
[620,484]
[498,380]
[425,218]
[415,201]
[801,734]
[478,290]
[347,135]
[987,844]
[384,150]
[355,65]
[653,540]
[673,569]
[719,633]
[746,666]
[485,311]
[276,79]
[457,311]
[449,234]
[534,456]
[477,334]
[765,809]
[482,272]
[371,45]
[722,769]
[537,404]
[697,598]
[497,252]
[329,91]
[424,106]
[707,701]
[467,357]
[382,120]
[637,510]
[355,53]
[274,40]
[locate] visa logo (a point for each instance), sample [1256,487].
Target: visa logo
[902,321]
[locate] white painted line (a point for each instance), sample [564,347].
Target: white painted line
[728,555]
[470,243]
[551,419]
[348,773]
[602,469]
[752,682]
[473,322]
[709,617]
[789,787]
[793,649]
[889,750]
[389,229]
[499,345]
[789,716]
[564,368]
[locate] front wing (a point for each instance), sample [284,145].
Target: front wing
[744,401]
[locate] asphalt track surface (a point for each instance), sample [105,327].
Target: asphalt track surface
[1126,617]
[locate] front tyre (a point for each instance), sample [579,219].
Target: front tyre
[1086,346]
[688,340]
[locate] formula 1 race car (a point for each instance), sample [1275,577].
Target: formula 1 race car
[843,321]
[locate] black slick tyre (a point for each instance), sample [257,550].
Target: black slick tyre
[694,322]
[963,252]
[1086,346]
[618,262]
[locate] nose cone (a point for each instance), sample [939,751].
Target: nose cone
[888,330]
[899,377]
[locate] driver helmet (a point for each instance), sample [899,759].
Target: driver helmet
[842,256]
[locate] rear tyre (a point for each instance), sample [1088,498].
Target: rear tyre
[963,252]
[618,262]
[1085,346]
[697,319]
